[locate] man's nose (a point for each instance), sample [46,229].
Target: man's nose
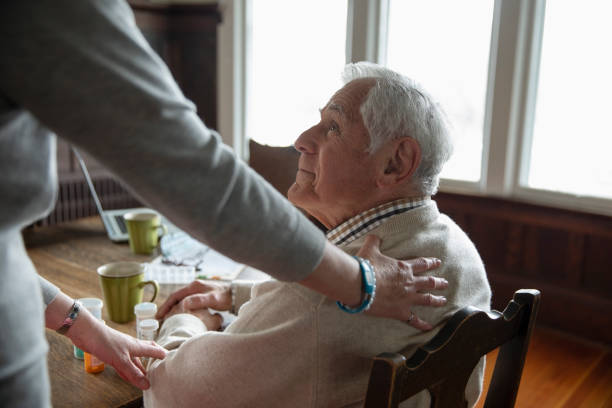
[306,143]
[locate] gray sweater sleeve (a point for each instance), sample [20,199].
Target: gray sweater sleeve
[49,290]
[84,70]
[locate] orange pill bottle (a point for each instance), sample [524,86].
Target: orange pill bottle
[92,364]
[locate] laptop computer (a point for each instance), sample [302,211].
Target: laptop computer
[112,219]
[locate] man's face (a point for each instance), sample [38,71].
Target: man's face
[335,172]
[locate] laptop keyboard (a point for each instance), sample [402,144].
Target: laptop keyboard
[121,223]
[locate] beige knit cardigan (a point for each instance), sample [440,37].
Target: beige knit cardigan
[292,347]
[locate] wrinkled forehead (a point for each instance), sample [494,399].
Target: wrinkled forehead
[348,99]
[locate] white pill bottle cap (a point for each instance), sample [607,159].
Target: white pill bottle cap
[94,305]
[145,309]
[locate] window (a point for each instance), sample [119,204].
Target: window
[444,45]
[297,57]
[526,84]
[571,144]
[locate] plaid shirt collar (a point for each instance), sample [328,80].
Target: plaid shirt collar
[365,222]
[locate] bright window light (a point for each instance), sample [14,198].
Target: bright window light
[298,53]
[444,45]
[571,149]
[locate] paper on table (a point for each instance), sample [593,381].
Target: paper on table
[213,266]
[217,266]
[167,273]
[185,259]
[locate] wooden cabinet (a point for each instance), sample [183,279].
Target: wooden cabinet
[185,37]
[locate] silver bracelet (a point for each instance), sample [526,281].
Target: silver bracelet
[70,318]
[233,293]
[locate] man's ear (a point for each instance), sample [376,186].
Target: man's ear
[401,161]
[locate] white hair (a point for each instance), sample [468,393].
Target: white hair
[397,106]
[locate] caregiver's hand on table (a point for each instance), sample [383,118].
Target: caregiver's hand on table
[119,350]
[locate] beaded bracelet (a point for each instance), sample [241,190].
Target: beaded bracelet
[368,279]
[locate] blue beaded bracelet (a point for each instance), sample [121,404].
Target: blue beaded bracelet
[368,278]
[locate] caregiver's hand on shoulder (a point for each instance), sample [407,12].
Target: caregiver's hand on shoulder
[398,286]
[199,294]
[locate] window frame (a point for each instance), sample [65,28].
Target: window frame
[516,40]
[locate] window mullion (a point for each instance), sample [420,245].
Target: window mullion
[505,88]
[232,69]
[527,102]
[366,30]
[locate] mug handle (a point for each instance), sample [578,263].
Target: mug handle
[164,231]
[155,287]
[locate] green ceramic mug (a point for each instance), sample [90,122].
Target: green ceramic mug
[123,287]
[144,230]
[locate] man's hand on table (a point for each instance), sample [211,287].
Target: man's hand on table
[197,295]
[212,321]
[196,299]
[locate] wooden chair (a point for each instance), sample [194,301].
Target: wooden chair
[277,165]
[444,364]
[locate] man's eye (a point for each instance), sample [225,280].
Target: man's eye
[333,127]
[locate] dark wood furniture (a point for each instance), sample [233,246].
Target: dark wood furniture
[564,253]
[185,37]
[444,364]
[68,255]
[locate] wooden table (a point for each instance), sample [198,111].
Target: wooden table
[68,256]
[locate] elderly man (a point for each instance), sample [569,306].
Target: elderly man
[369,166]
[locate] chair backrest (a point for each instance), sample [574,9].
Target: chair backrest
[277,165]
[444,364]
